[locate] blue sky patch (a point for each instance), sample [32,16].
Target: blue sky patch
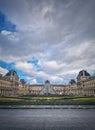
[35,62]
[39,80]
[7,66]
[5,24]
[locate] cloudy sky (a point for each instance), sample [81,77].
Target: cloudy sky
[47,39]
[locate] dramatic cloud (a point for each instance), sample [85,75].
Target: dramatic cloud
[3,71]
[58,34]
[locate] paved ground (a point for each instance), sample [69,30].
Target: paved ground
[47,119]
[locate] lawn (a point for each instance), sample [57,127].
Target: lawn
[47,100]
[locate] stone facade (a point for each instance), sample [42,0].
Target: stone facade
[11,86]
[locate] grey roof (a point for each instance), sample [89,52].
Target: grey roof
[12,73]
[47,81]
[72,81]
[83,73]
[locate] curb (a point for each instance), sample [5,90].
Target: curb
[48,107]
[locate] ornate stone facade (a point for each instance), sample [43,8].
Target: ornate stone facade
[11,86]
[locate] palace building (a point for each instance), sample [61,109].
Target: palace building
[10,85]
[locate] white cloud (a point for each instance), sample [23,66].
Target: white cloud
[51,65]
[33,81]
[3,71]
[79,50]
[27,67]
[11,36]
[5,32]
[56,79]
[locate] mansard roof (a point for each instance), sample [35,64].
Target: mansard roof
[47,81]
[12,73]
[83,73]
